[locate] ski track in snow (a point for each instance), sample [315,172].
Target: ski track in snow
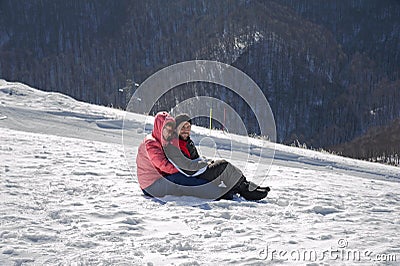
[73,201]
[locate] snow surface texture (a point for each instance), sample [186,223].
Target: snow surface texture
[68,197]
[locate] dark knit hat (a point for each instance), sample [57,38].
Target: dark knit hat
[182,118]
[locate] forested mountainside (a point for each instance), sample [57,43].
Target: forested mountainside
[379,144]
[329,69]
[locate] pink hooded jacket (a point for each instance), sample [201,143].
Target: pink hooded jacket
[152,164]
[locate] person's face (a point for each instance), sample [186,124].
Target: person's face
[184,130]
[168,132]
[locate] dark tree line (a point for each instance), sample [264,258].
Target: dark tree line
[329,69]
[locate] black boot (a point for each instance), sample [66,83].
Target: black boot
[253,186]
[245,190]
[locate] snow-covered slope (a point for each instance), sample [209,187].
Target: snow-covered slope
[69,197]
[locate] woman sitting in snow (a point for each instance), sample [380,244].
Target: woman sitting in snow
[159,177]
